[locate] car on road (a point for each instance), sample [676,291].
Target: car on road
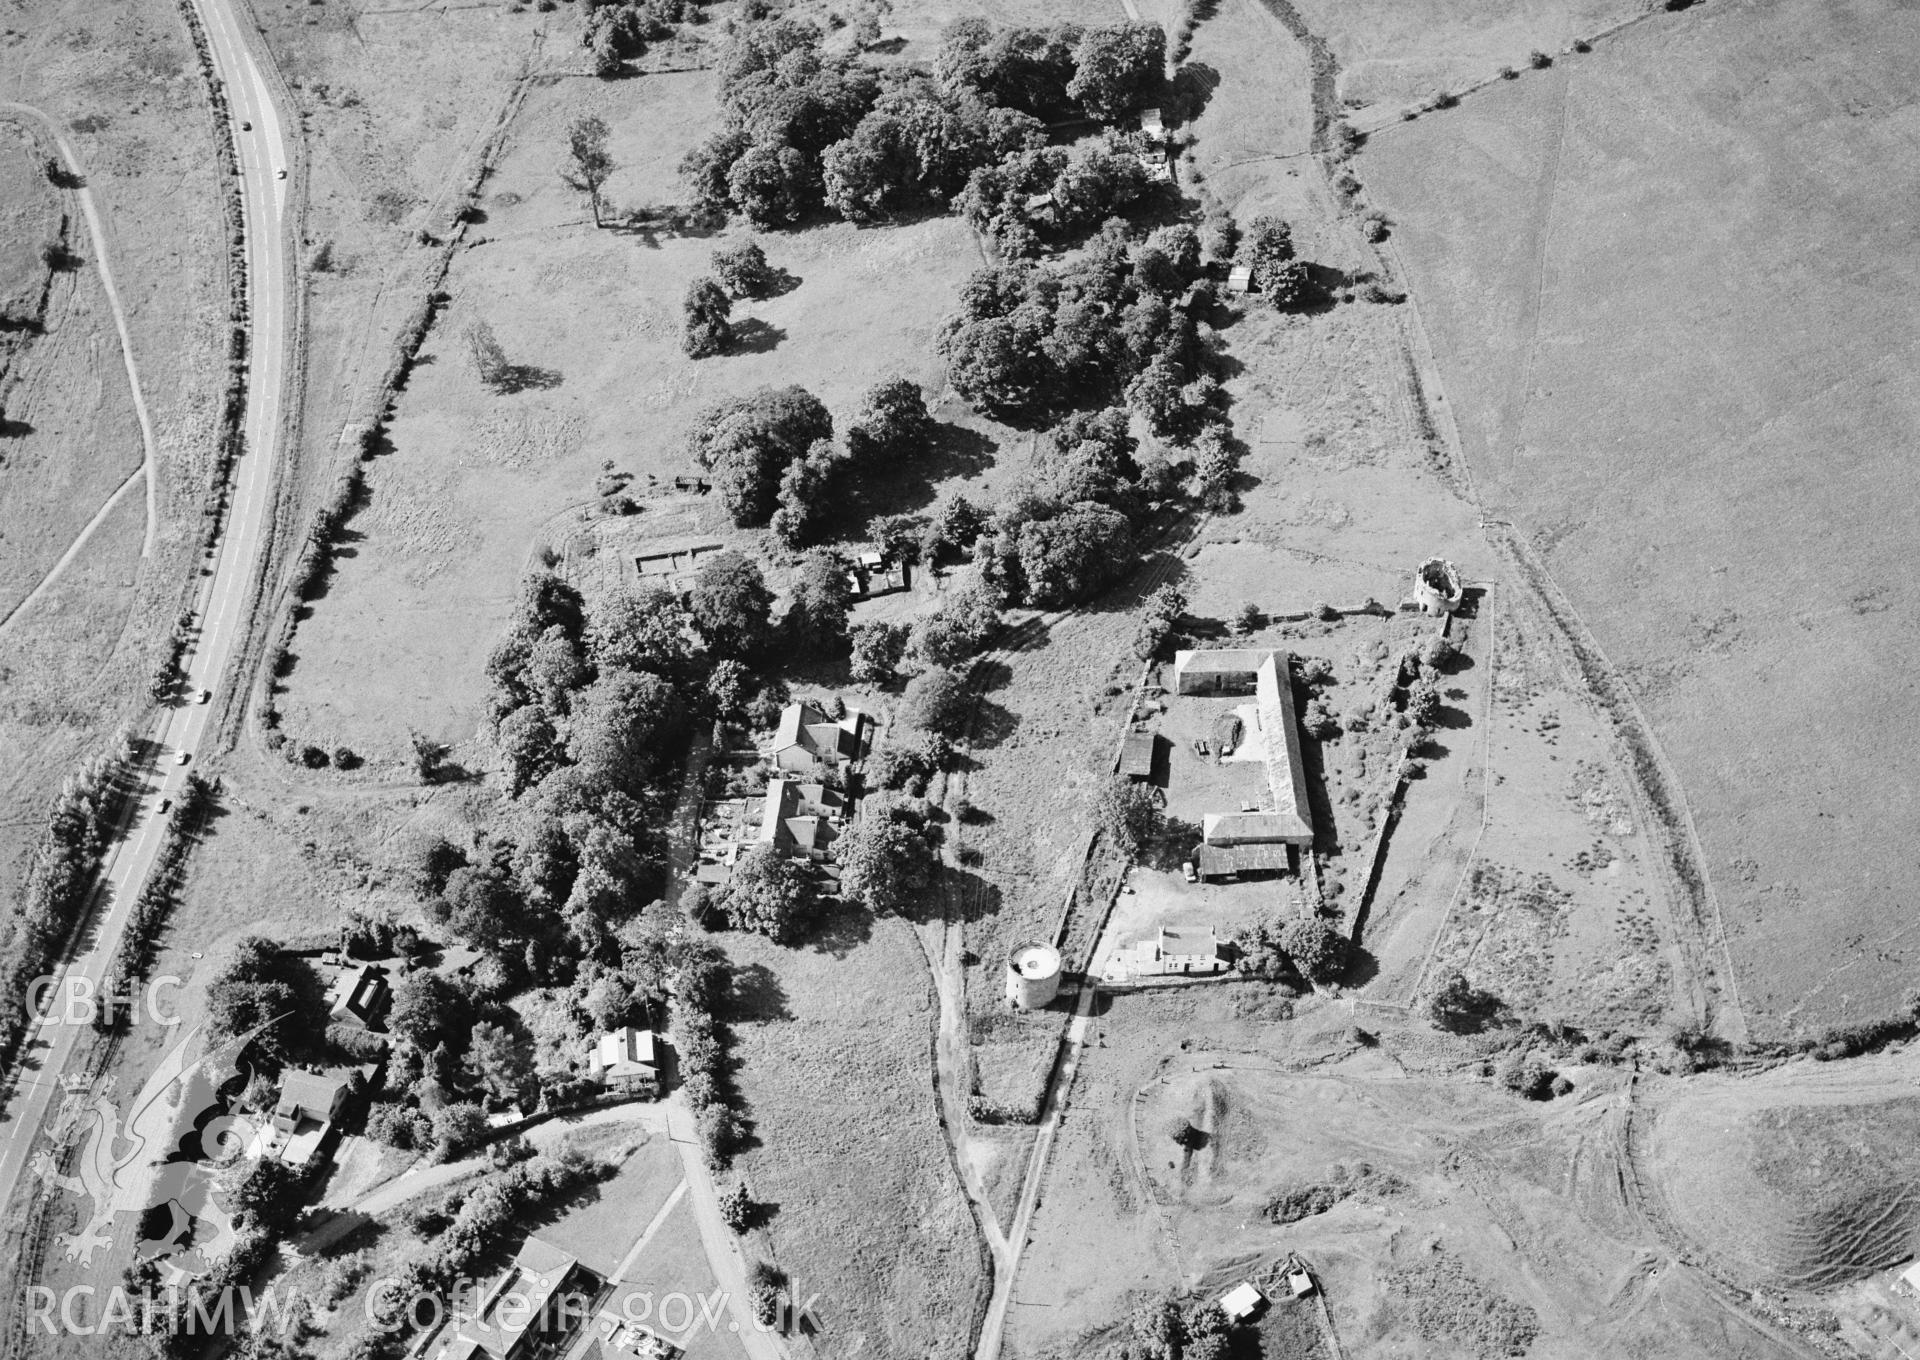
[246,127]
[166,805]
[204,696]
[279,174]
[181,758]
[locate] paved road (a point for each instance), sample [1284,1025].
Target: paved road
[221,609]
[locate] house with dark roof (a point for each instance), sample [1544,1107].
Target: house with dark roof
[808,739]
[360,997]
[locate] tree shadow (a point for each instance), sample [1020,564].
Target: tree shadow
[1191,90]
[780,282]
[527,378]
[1362,967]
[14,429]
[751,335]
[757,996]
[840,928]
[993,725]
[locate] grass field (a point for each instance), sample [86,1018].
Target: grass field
[835,1048]
[475,479]
[1605,261]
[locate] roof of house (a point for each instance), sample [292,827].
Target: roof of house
[1241,1300]
[1255,858]
[308,1094]
[1136,754]
[361,991]
[627,1047]
[1188,941]
[1220,660]
[795,718]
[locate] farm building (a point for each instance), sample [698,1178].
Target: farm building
[1287,820]
[807,738]
[1176,950]
[1241,1302]
[1033,976]
[1136,755]
[1241,861]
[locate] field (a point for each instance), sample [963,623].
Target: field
[1463,1220]
[118,81]
[833,1040]
[476,479]
[1610,340]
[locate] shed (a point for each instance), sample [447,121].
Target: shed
[1136,755]
[1241,1302]
[1240,279]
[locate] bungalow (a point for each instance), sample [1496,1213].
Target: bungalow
[360,997]
[305,1116]
[624,1060]
[807,738]
[534,1308]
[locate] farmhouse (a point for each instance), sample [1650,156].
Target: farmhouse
[360,997]
[1177,950]
[798,818]
[624,1060]
[532,1309]
[808,739]
[1287,820]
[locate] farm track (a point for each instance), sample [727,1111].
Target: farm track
[103,265]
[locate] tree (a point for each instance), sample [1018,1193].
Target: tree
[748,442]
[707,331]
[822,602]
[642,629]
[893,426]
[730,605]
[488,359]
[1184,1134]
[743,268]
[883,863]
[1247,619]
[878,648]
[426,755]
[1157,620]
[811,490]
[1070,558]
[589,163]
[1288,285]
[938,701]
[737,1209]
[1316,948]
[958,630]
[1216,462]
[1117,69]
[459,1129]
[270,1195]
[1268,245]
[502,1060]
[622,724]
[529,746]
[766,894]
[1127,813]
[427,1010]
